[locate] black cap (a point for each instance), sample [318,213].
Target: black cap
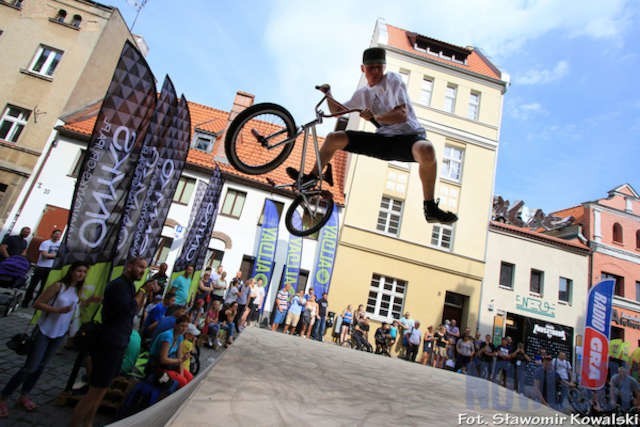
[374,55]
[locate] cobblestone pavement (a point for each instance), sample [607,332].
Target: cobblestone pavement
[50,384]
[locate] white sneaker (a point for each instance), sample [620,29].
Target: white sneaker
[218,342]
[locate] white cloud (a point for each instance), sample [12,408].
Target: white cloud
[526,111]
[534,77]
[316,42]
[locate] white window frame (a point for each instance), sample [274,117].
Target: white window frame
[210,139]
[442,234]
[377,285]
[236,194]
[388,214]
[426,90]
[448,172]
[17,123]
[450,96]
[474,105]
[404,75]
[50,53]
[569,283]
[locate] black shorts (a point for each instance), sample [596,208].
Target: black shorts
[384,147]
[106,362]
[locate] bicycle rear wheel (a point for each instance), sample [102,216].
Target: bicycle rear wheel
[315,210]
[254,142]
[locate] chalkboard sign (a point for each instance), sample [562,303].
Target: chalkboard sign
[552,337]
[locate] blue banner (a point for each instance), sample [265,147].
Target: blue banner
[327,245]
[596,335]
[266,252]
[294,256]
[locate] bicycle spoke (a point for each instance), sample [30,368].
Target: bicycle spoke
[260,139]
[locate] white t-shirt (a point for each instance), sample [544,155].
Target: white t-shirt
[384,97]
[563,367]
[50,247]
[259,296]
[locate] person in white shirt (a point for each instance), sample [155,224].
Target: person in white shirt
[383,101]
[563,369]
[48,251]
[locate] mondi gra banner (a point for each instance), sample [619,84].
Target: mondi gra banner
[294,256]
[596,335]
[266,251]
[326,255]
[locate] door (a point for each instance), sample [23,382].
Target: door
[53,218]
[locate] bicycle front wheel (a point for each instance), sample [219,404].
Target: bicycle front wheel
[256,140]
[314,209]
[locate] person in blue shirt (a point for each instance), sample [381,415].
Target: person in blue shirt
[166,355]
[169,321]
[182,286]
[293,316]
[157,313]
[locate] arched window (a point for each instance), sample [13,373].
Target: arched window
[617,233]
[638,239]
[61,16]
[75,22]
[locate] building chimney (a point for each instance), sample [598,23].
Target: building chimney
[240,102]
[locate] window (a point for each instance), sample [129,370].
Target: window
[386,297]
[75,170]
[184,190]
[506,274]
[638,239]
[426,90]
[619,286]
[61,15]
[474,105]
[75,22]
[448,197]
[617,233]
[279,207]
[452,163]
[404,75]
[637,291]
[441,236]
[3,190]
[233,203]
[13,122]
[450,98]
[565,290]
[389,215]
[162,253]
[396,182]
[204,142]
[536,283]
[45,61]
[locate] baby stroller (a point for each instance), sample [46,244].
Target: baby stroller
[13,277]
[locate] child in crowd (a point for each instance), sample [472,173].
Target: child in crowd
[187,345]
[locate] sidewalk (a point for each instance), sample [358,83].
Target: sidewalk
[52,381]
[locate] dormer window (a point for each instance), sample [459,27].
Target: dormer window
[203,142]
[75,22]
[61,16]
[440,49]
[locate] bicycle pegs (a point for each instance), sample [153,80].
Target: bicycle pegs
[324,88]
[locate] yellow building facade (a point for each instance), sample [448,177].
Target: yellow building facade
[389,258]
[57,57]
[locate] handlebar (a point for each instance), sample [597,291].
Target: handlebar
[326,88]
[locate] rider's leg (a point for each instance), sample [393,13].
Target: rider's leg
[424,153]
[333,142]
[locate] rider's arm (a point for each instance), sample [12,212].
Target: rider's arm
[397,115]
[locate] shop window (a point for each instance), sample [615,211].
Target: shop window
[565,290]
[233,203]
[617,233]
[536,282]
[386,297]
[506,274]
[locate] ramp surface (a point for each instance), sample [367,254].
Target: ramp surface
[270,379]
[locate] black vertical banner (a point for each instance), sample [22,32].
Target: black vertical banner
[196,243]
[155,143]
[172,158]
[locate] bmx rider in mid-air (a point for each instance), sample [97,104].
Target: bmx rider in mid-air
[399,136]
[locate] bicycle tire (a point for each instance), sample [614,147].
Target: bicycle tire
[245,152]
[315,211]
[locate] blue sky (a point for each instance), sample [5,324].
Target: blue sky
[571,116]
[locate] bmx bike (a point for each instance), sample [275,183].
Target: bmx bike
[262,137]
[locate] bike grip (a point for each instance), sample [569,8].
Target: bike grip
[324,88]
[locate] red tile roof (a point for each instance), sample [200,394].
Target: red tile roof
[476,62]
[526,232]
[215,121]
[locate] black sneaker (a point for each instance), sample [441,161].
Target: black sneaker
[307,177]
[433,213]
